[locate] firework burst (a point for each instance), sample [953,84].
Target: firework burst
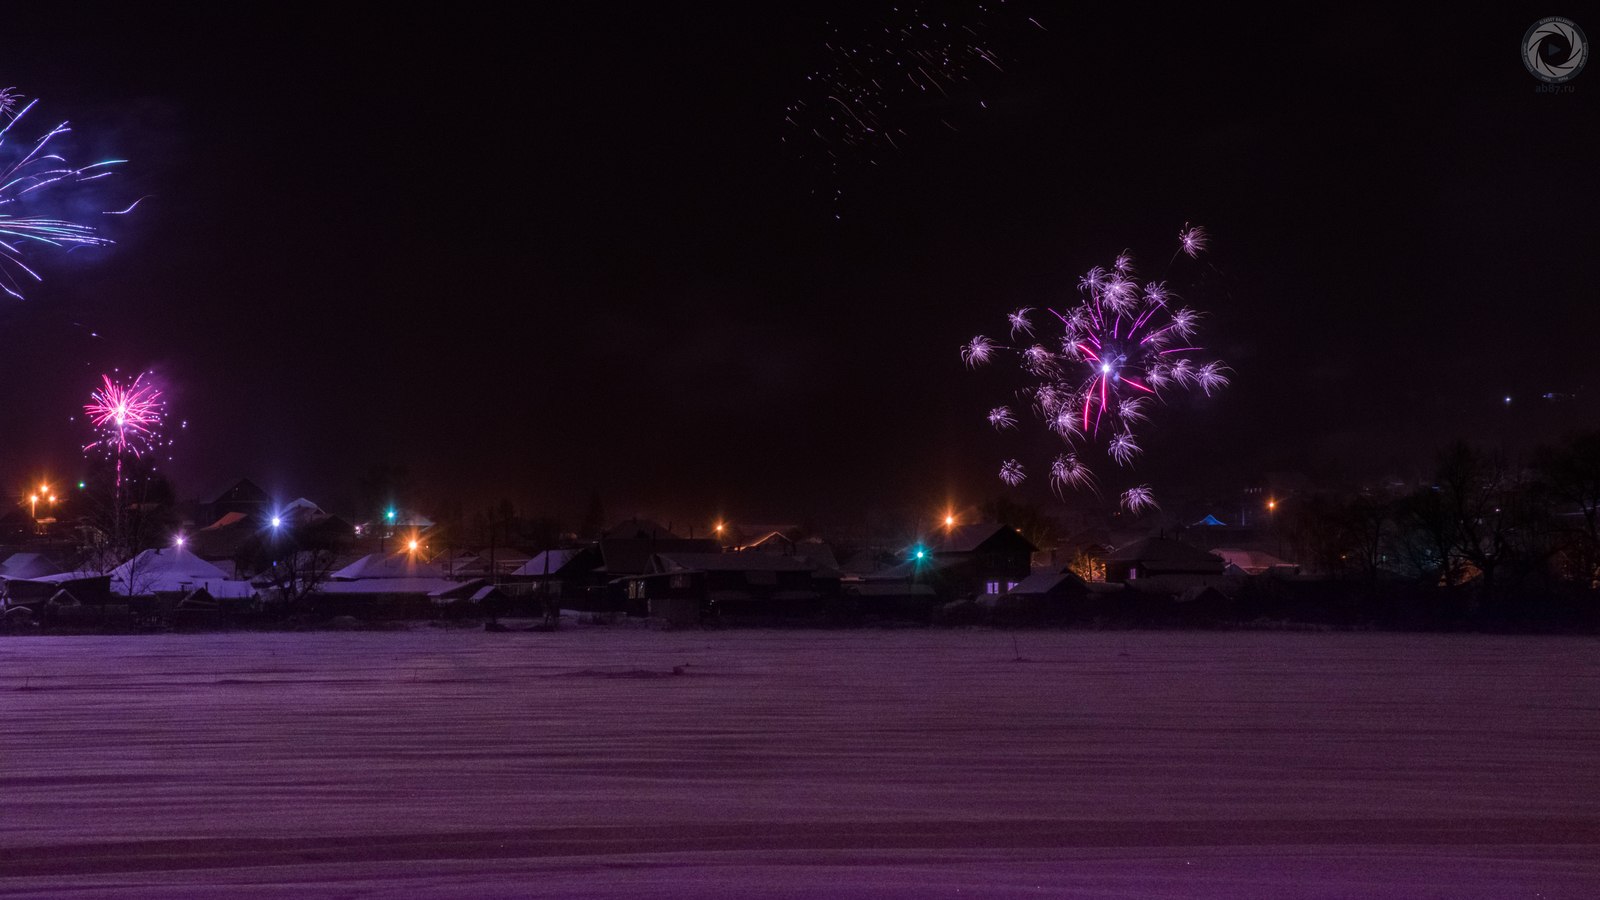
[128,417]
[27,172]
[1120,350]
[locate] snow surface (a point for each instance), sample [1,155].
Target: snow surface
[912,763]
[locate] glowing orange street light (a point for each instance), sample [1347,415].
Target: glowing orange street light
[949,520]
[34,509]
[413,546]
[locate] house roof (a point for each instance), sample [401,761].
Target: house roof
[1166,555]
[1048,582]
[230,520]
[970,538]
[555,559]
[1253,562]
[731,562]
[632,556]
[243,491]
[27,565]
[168,569]
[395,565]
[637,528]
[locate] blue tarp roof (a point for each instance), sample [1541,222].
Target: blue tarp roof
[1208,520]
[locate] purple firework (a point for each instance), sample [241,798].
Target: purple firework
[1117,352]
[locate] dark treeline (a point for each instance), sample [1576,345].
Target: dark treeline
[1486,540]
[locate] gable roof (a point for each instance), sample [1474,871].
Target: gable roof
[1050,582]
[243,491]
[971,538]
[27,565]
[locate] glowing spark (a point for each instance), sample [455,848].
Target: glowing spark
[1011,473]
[1123,448]
[1210,377]
[1068,471]
[1192,240]
[978,351]
[1139,499]
[1038,360]
[1000,417]
[1019,322]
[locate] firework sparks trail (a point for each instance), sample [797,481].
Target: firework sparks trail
[879,79]
[26,172]
[1120,349]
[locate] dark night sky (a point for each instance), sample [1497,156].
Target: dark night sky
[532,258]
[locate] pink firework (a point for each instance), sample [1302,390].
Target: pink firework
[127,417]
[1123,347]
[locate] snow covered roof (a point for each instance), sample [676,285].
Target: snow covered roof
[27,565]
[172,569]
[167,569]
[395,565]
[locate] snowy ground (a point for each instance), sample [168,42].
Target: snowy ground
[800,764]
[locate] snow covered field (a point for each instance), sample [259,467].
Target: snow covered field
[909,763]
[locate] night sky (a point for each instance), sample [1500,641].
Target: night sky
[568,251]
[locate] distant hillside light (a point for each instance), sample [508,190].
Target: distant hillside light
[919,554]
[80,485]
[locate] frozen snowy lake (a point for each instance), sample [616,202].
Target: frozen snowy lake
[912,763]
